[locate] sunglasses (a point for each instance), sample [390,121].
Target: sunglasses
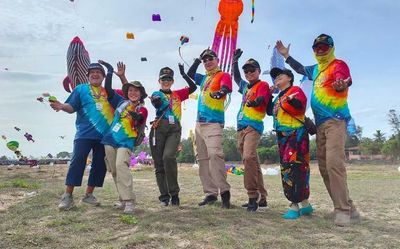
[321,47]
[166,79]
[205,60]
[249,70]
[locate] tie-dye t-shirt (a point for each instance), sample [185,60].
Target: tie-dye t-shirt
[326,102]
[171,103]
[94,114]
[211,110]
[283,121]
[253,116]
[123,130]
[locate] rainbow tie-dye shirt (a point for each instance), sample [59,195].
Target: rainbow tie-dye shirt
[94,114]
[171,103]
[326,102]
[283,121]
[123,130]
[253,116]
[211,110]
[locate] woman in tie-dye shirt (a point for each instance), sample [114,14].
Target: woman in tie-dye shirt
[119,140]
[288,111]
[165,134]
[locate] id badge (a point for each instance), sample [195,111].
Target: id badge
[171,119]
[99,106]
[116,127]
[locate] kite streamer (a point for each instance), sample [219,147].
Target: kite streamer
[252,11]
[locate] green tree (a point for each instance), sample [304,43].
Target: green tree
[394,121]
[63,154]
[229,144]
[186,155]
[268,154]
[313,149]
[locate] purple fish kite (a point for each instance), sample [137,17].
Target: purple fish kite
[77,63]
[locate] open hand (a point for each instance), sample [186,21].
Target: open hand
[120,69]
[284,51]
[340,84]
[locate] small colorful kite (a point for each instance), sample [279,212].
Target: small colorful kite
[28,137]
[130,35]
[156,18]
[184,39]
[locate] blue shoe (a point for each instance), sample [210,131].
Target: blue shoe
[291,214]
[306,210]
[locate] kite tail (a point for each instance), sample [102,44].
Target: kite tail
[252,11]
[222,62]
[233,48]
[227,52]
[180,55]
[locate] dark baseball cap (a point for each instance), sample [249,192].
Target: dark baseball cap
[166,72]
[208,52]
[276,71]
[323,39]
[96,65]
[251,63]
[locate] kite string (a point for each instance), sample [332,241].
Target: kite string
[180,55]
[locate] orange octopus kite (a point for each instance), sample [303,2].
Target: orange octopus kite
[225,37]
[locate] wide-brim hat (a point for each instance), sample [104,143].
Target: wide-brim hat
[136,84]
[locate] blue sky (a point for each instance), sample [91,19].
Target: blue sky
[34,37]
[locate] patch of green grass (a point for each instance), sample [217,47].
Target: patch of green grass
[128,219]
[19,183]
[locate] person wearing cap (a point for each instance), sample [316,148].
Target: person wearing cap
[93,119]
[332,80]
[165,134]
[119,140]
[288,111]
[250,126]
[214,87]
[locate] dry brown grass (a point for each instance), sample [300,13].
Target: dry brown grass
[35,222]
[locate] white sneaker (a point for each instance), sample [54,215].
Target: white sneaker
[67,202]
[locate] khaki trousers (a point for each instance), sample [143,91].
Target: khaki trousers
[208,137]
[248,140]
[117,162]
[331,138]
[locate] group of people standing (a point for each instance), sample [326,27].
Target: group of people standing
[108,123]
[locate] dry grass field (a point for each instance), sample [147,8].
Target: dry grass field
[29,217]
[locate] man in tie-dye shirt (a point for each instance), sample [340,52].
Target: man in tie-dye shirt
[214,87]
[93,119]
[332,80]
[250,126]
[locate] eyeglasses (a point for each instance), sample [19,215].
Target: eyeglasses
[250,70]
[321,48]
[205,60]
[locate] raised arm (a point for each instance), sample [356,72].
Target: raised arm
[235,62]
[108,81]
[190,82]
[295,65]
[121,72]
[193,69]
